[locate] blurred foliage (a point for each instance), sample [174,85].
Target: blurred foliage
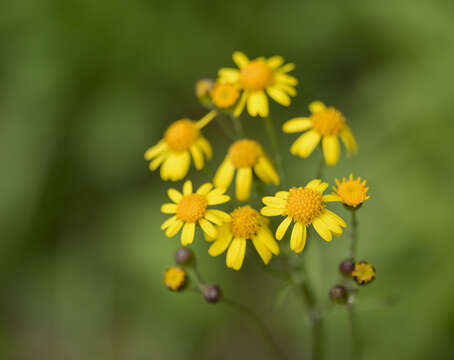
[86,86]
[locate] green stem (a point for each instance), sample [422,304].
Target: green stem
[221,123]
[356,344]
[256,319]
[238,126]
[271,131]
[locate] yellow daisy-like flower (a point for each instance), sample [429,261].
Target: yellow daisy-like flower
[191,209]
[245,155]
[246,224]
[225,95]
[175,278]
[257,78]
[352,192]
[181,140]
[363,273]
[304,206]
[325,124]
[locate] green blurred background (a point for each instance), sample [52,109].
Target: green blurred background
[86,86]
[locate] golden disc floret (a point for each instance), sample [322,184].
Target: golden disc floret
[245,153]
[244,222]
[329,121]
[181,135]
[191,208]
[257,75]
[304,205]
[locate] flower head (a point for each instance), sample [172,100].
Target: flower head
[203,88]
[244,156]
[191,209]
[326,124]
[175,278]
[352,192]
[363,273]
[181,140]
[246,224]
[224,95]
[256,78]
[304,206]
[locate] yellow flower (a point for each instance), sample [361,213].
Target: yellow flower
[304,206]
[191,209]
[203,87]
[246,223]
[352,192]
[175,278]
[181,140]
[255,77]
[363,273]
[245,155]
[224,95]
[326,124]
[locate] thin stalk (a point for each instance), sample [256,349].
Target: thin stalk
[356,343]
[258,322]
[271,131]
[237,125]
[221,123]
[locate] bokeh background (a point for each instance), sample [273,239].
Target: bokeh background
[86,86]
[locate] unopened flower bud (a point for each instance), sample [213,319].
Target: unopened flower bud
[363,273]
[175,278]
[338,294]
[184,256]
[212,293]
[203,88]
[346,267]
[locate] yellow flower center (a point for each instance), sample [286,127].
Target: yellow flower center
[363,272]
[352,192]
[304,205]
[245,222]
[225,95]
[328,122]
[257,75]
[181,135]
[174,278]
[245,153]
[191,208]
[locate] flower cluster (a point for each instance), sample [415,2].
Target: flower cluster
[247,163]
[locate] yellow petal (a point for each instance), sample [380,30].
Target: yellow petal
[241,103]
[208,228]
[187,187]
[275,61]
[257,104]
[221,215]
[174,195]
[222,242]
[274,201]
[331,197]
[174,228]
[229,75]
[266,172]
[337,218]
[313,184]
[155,150]
[287,67]
[224,174]
[212,217]
[286,88]
[266,237]
[205,146]
[322,229]
[243,184]
[157,161]
[303,241]
[206,119]
[271,211]
[169,208]
[331,149]
[235,254]
[281,78]
[332,225]
[321,187]
[296,238]
[282,194]
[187,235]
[282,228]
[176,166]
[204,189]
[297,124]
[305,144]
[349,140]
[168,222]
[262,250]
[278,95]
[240,59]
[316,106]
[216,197]
[197,156]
